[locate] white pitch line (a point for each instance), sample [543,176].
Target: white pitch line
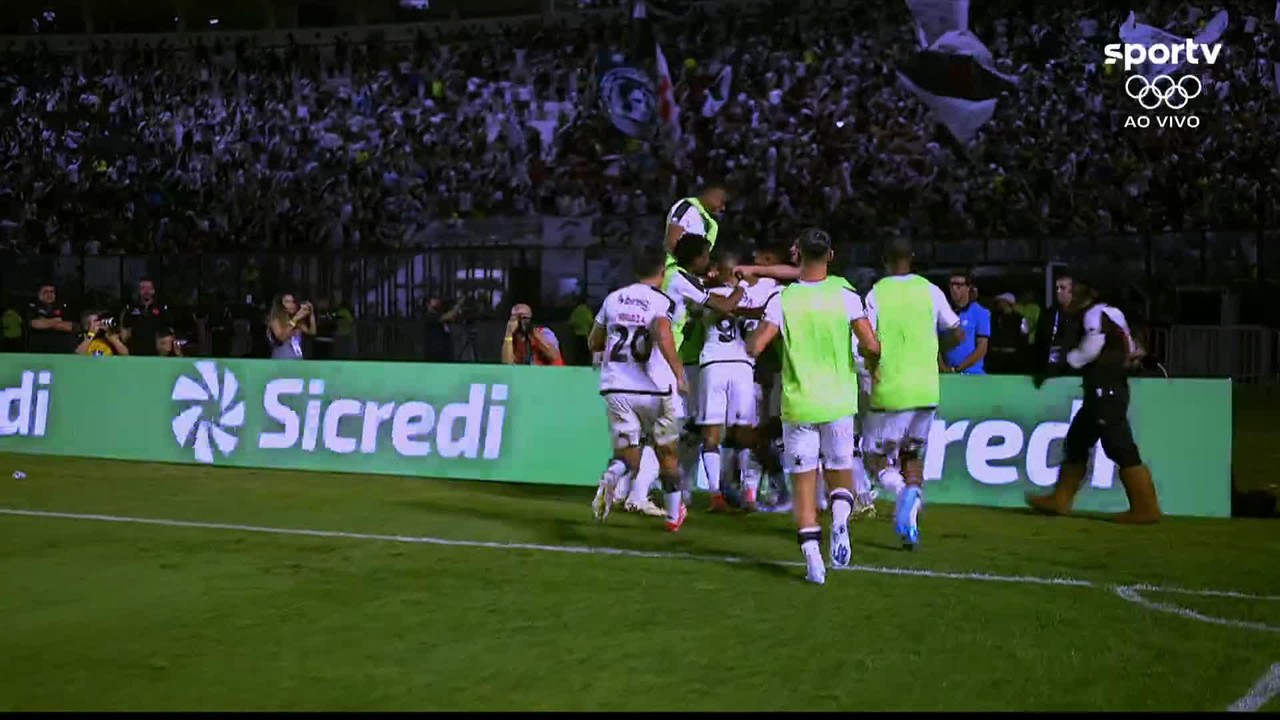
[1131,593]
[1267,687]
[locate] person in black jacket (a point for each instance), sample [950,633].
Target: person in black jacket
[1058,329]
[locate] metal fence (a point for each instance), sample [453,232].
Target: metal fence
[541,258]
[1242,353]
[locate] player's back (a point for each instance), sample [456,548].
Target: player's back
[726,336]
[907,312]
[632,362]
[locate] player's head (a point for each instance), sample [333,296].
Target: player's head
[693,253]
[649,263]
[725,261]
[772,254]
[898,255]
[713,196]
[813,245]
[1084,292]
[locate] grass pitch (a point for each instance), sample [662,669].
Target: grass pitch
[123,616]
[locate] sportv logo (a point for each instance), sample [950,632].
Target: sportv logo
[24,409]
[340,425]
[1155,91]
[992,441]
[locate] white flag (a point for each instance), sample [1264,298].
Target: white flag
[957,80]
[1132,31]
[718,93]
[668,111]
[935,18]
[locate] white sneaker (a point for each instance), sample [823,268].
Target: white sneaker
[647,507]
[841,551]
[601,504]
[817,572]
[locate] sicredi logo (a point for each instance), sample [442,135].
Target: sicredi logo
[991,445]
[1155,90]
[213,411]
[24,409]
[300,415]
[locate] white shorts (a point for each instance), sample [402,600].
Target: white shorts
[833,444]
[727,395]
[633,417]
[898,430]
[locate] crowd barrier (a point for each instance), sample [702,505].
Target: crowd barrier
[996,437]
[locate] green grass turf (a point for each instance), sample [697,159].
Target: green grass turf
[1256,425]
[112,617]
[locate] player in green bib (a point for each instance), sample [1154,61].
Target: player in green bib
[908,313]
[816,319]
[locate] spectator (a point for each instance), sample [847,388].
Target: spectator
[100,338]
[50,331]
[287,325]
[10,329]
[143,320]
[1009,332]
[529,344]
[168,344]
[438,336]
[581,320]
[1029,308]
[968,357]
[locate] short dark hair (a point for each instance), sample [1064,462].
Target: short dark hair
[898,248]
[966,273]
[648,260]
[689,247]
[146,278]
[813,243]
[727,255]
[713,184]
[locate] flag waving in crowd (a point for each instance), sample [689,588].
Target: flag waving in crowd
[956,78]
[668,111]
[1136,33]
[718,93]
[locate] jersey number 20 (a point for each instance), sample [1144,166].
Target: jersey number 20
[637,342]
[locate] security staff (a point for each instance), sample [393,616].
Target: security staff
[1058,327]
[51,331]
[143,321]
[1103,357]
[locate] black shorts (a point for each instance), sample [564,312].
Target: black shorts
[1103,416]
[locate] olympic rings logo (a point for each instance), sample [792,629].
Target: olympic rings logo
[1163,90]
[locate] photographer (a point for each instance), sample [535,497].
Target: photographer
[287,323]
[529,344]
[168,344]
[101,337]
[438,334]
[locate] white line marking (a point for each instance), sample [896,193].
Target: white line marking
[1131,593]
[1267,687]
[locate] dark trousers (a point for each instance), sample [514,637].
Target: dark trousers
[1103,416]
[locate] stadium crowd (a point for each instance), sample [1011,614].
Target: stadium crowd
[231,145]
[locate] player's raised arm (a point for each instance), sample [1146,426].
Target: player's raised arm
[726,304]
[787,273]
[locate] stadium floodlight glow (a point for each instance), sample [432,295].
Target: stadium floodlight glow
[213,21]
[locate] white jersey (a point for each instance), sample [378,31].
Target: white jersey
[687,292]
[726,337]
[684,214]
[632,362]
[1095,337]
[944,318]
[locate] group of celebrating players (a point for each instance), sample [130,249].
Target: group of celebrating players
[777,348]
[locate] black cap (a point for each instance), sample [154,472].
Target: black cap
[813,242]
